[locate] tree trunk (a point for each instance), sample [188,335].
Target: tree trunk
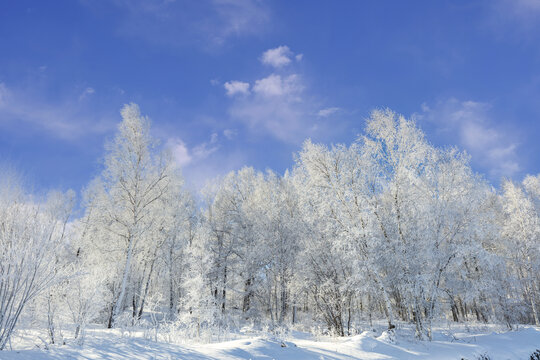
[146,287]
[119,306]
[224,293]
[247,295]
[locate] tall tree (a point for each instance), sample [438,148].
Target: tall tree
[126,206]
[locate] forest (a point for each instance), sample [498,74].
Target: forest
[389,228]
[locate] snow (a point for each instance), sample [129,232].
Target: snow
[112,344]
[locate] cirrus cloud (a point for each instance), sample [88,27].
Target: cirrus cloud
[469,121]
[167,23]
[328,111]
[68,119]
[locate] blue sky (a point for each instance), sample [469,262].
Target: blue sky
[229,83]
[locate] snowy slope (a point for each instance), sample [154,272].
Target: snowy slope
[110,345]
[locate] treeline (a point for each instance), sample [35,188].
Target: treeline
[389,227]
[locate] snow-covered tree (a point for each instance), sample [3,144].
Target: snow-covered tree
[125,211]
[521,231]
[389,228]
[32,233]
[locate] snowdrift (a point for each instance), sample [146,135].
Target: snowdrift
[109,344]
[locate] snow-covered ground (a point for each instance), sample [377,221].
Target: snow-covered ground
[111,344]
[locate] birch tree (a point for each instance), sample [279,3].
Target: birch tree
[125,207]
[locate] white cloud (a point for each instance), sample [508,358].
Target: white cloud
[204,150]
[208,24]
[280,105]
[276,106]
[277,57]
[203,161]
[239,18]
[179,151]
[87,92]
[68,119]
[328,111]
[230,133]
[198,173]
[275,85]
[489,145]
[184,156]
[236,87]
[282,119]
